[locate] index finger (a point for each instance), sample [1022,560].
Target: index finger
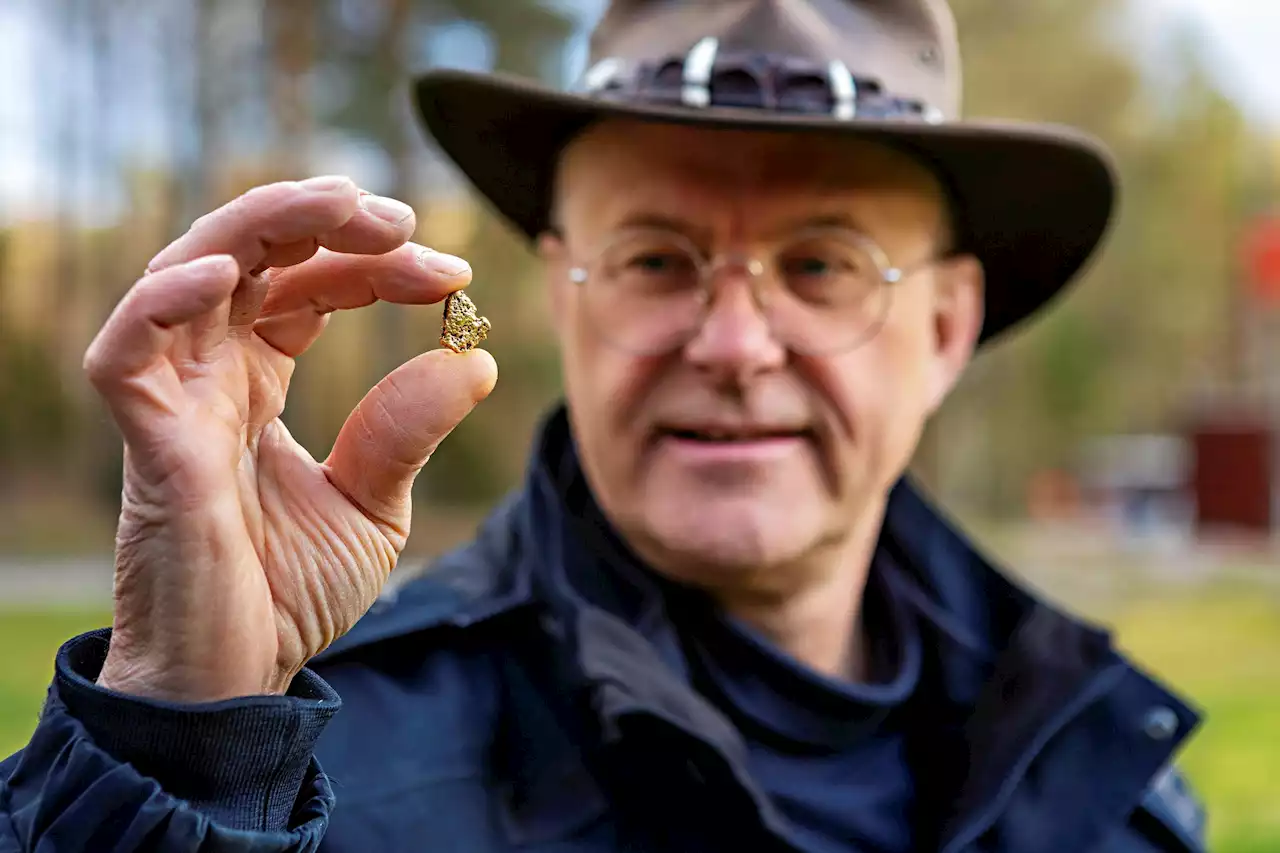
[287,222]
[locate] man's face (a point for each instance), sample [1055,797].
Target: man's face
[731,456]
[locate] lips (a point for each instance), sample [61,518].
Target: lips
[733,434]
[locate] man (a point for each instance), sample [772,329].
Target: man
[715,616]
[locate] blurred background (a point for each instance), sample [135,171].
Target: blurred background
[1122,454]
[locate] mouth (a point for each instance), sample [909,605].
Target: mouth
[718,435]
[718,446]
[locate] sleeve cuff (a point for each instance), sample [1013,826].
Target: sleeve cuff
[241,762]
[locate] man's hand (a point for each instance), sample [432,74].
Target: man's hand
[238,556]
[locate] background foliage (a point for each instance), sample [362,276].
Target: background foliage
[238,92]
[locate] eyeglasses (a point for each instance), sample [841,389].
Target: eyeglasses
[821,291]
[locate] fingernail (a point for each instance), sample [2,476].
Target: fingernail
[433,261]
[212,262]
[386,209]
[325,182]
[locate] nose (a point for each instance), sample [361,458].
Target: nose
[734,339]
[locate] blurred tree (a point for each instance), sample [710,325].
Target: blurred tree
[71,21]
[1147,313]
[37,418]
[291,27]
[368,54]
[530,37]
[197,184]
[402,156]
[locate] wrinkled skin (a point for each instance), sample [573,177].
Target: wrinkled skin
[238,555]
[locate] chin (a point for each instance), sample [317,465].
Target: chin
[702,540]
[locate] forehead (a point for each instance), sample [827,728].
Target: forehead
[741,180]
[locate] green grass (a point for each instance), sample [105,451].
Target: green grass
[1220,648]
[29,640]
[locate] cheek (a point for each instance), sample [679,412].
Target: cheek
[606,390]
[881,394]
[604,381]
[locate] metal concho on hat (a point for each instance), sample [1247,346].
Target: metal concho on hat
[773,82]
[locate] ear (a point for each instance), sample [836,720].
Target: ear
[958,316]
[551,250]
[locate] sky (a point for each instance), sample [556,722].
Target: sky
[18,108]
[1242,43]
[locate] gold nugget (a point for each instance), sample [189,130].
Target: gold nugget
[461,327]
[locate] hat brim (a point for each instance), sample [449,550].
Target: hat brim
[1033,201]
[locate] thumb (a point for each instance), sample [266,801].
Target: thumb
[400,422]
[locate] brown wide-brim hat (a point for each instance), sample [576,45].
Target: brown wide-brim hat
[1031,201]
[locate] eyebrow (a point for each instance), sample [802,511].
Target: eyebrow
[828,220]
[663,221]
[668,222]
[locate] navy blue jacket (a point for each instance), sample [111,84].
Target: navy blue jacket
[489,707]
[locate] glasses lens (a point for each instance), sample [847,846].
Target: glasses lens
[644,292]
[834,291]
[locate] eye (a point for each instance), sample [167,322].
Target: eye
[658,262]
[650,263]
[810,265]
[826,272]
[653,269]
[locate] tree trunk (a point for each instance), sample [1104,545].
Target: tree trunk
[291,30]
[390,319]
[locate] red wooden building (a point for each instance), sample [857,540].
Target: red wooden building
[1234,473]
